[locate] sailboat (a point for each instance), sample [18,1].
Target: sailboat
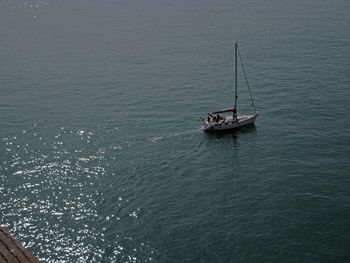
[229,118]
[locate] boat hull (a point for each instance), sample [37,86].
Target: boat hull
[229,124]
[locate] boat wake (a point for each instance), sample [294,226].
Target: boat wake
[142,141]
[172,135]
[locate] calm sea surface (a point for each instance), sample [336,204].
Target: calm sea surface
[101,157]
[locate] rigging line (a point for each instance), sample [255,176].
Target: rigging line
[246,79]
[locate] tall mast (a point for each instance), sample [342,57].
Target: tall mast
[236,96]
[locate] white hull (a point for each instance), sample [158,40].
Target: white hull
[229,123]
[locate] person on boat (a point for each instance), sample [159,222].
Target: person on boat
[208,119]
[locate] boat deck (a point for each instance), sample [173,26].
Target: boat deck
[227,123]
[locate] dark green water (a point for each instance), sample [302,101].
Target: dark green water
[101,159]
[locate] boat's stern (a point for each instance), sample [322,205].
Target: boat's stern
[205,125]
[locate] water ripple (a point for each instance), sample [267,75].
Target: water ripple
[50,192]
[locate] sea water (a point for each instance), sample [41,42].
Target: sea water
[101,156]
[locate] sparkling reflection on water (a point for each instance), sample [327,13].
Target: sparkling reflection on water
[50,189]
[28,8]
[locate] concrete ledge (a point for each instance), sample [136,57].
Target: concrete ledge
[11,250]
